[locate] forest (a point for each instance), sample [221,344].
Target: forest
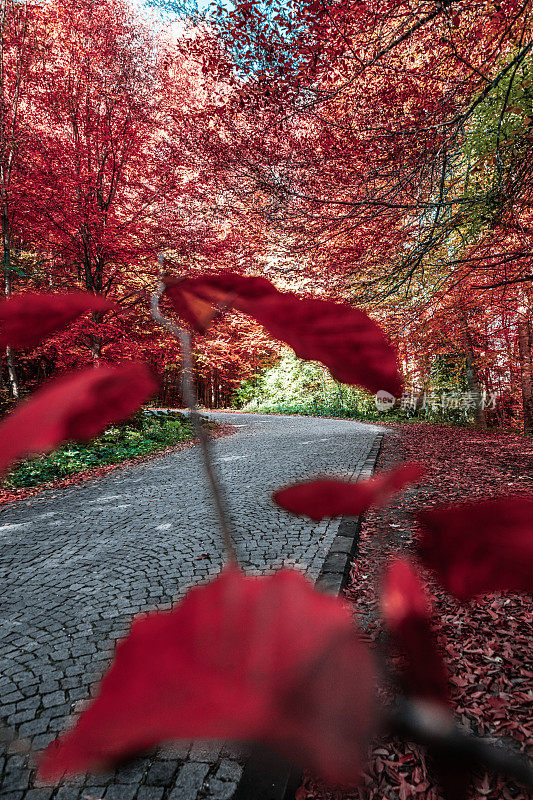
[309,208]
[375,152]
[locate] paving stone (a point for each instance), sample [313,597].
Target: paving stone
[70,683]
[28,685]
[93,790]
[161,773]
[189,781]
[68,793]
[48,686]
[21,716]
[120,791]
[39,794]
[205,751]
[102,552]
[29,702]
[43,740]
[220,790]
[150,793]
[132,773]
[54,699]
[15,779]
[176,750]
[104,780]
[12,697]
[229,770]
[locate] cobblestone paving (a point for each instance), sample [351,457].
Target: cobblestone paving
[76,564]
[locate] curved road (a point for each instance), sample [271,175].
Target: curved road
[76,565]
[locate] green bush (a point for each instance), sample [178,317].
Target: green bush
[144,433]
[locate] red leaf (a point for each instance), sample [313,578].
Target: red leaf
[406,611]
[481,547]
[266,658]
[77,406]
[350,344]
[335,498]
[28,318]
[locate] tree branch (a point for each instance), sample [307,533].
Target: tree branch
[427,724]
[204,438]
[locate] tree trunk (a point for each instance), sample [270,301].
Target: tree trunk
[471,372]
[525,336]
[96,349]
[96,340]
[6,243]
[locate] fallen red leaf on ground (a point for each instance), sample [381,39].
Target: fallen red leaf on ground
[488,641]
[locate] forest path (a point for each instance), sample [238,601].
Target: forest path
[77,564]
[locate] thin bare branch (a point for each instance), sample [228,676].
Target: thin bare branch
[427,724]
[200,431]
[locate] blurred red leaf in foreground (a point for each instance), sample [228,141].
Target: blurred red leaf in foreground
[407,614]
[264,658]
[334,498]
[351,345]
[28,318]
[74,407]
[480,547]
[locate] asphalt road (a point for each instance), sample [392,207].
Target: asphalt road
[77,564]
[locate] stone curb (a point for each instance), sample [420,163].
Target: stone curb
[268,777]
[336,567]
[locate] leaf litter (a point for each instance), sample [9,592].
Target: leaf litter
[487,643]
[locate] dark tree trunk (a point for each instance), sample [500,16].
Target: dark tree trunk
[526,369]
[6,242]
[471,371]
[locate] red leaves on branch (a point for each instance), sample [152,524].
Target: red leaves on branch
[407,614]
[27,319]
[264,658]
[334,498]
[350,344]
[482,547]
[77,406]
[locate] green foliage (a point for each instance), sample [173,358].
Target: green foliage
[497,140]
[448,372]
[293,386]
[145,432]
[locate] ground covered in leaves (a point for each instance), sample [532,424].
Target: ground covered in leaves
[486,643]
